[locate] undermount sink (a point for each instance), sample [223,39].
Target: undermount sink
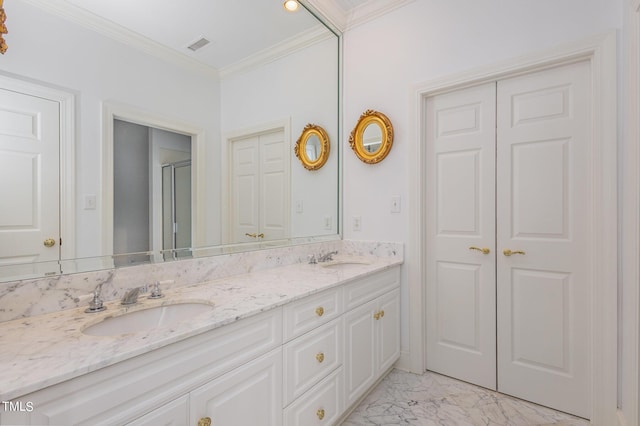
[343,264]
[147,319]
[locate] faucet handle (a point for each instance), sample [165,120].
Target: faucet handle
[155,291]
[96,304]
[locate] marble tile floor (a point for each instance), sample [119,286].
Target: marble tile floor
[432,399]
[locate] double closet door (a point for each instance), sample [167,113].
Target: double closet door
[508,234]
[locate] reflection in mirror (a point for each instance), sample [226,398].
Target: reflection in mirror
[313,147]
[78,59]
[372,137]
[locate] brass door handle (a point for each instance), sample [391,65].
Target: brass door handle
[260,235]
[320,414]
[49,242]
[378,315]
[254,235]
[320,311]
[381,313]
[320,357]
[204,421]
[484,250]
[508,252]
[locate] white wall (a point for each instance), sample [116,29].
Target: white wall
[425,40]
[56,52]
[301,97]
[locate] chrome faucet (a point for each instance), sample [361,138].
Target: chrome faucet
[131,296]
[96,304]
[327,257]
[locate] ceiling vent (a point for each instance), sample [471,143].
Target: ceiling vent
[198,44]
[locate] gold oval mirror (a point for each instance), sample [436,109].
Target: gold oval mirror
[312,147]
[372,137]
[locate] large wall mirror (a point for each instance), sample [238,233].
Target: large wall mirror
[156,110]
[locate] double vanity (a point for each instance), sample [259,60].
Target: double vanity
[294,344]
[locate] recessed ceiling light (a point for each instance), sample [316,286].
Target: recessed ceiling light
[291,5]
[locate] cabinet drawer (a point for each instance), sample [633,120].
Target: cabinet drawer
[310,358]
[321,405]
[368,288]
[174,413]
[310,312]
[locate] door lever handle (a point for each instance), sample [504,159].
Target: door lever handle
[508,252]
[484,250]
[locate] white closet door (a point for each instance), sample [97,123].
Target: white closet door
[274,194]
[461,313]
[245,188]
[543,211]
[29,178]
[260,188]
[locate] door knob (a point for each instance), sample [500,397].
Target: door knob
[204,421]
[49,242]
[508,252]
[484,250]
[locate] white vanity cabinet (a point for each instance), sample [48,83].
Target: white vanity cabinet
[304,363]
[154,384]
[372,333]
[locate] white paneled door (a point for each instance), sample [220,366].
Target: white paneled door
[29,178]
[260,187]
[537,196]
[461,311]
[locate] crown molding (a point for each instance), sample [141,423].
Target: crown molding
[330,12]
[118,33]
[371,10]
[344,20]
[280,50]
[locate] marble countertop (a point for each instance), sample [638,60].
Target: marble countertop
[44,350]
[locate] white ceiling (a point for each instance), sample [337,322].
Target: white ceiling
[240,32]
[236,29]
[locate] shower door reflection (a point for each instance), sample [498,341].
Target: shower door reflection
[176,208]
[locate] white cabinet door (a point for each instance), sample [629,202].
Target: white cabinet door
[359,340]
[389,330]
[372,343]
[250,395]
[175,413]
[461,311]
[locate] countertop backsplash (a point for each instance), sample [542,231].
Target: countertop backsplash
[26,298]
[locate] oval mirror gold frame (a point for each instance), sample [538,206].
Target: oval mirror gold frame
[362,147]
[320,153]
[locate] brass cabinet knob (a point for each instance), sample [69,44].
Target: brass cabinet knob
[376,316]
[508,252]
[260,235]
[49,242]
[204,421]
[484,250]
[320,414]
[319,311]
[381,313]
[320,357]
